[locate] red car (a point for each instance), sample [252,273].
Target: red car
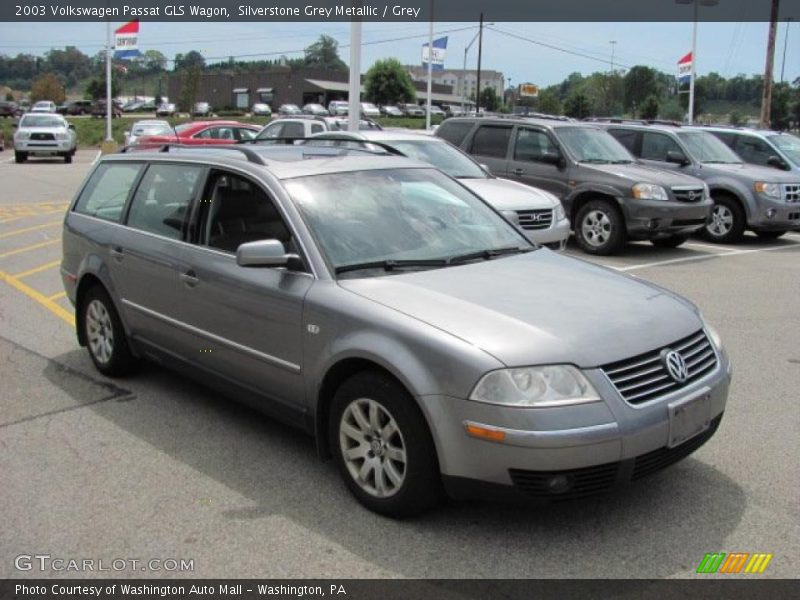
[200,133]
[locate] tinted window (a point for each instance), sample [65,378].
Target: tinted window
[107,190]
[163,198]
[656,145]
[454,131]
[491,141]
[532,144]
[626,138]
[753,150]
[727,137]
[293,130]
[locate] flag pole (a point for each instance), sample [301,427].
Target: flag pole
[430,70]
[108,82]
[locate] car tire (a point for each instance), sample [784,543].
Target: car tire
[105,336]
[672,241]
[770,235]
[383,447]
[728,221]
[600,228]
[20,157]
[67,157]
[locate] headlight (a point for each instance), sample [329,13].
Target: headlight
[649,191]
[541,387]
[22,135]
[706,191]
[511,217]
[773,190]
[559,212]
[715,339]
[62,135]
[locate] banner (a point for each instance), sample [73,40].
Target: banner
[528,90]
[439,49]
[126,41]
[685,68]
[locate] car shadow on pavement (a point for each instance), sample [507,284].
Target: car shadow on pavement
[661,526]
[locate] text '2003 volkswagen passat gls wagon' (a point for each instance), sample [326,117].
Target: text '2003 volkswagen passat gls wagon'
[383,307]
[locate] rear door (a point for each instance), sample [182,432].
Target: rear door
[528,165]
[490,146]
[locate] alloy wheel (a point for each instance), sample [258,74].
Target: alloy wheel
[99,331]
[596,228]
[721,220]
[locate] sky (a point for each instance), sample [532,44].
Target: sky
[727,48]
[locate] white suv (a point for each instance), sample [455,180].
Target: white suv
[307,125]
[44,134]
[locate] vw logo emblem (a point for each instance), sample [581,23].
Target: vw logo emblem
[675,365]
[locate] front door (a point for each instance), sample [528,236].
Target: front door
[533,161]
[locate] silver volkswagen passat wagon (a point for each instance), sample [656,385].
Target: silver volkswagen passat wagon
[384,308]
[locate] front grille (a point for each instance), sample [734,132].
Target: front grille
[794,216]
[645,377]
[686,193]
[535,219]
[43,136]
[656,460]
[791,192]
[583,482]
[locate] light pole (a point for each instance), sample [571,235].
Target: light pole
[613,47]
[785,43]
[695,5]
[464,70]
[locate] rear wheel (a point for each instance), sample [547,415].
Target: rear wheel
[672,241]
[383,447]
[600,228]
[105,335]
[770,235]
[20,157]
[727,221]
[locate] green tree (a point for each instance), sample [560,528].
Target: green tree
[96,89]
[672,110]
[639,83]
[650,108]
[489,99]
[735,118]
[388,82]
[48,87]
[549,102]
[324,54]
[189,84]
[577,106]
[780,109]
[154,61]
[189,60]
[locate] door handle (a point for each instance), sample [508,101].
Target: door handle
[518,172]
[116,253]
[189,278]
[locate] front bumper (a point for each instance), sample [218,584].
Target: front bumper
[43,147]
[554,237]
[658,218]
[775,215]
[596,446]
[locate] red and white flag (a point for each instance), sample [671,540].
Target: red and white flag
[685,68]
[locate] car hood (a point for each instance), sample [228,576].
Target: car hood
[750,172]
[44,129]
[503,194]
[639,173]
[538,308]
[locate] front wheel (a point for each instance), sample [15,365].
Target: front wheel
[383,447]
[105,335]
[672,241]
[727,221]
[600,228]
[67,157]
[20,157]
[770,235]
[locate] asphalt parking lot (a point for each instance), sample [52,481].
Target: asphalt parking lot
[156,467]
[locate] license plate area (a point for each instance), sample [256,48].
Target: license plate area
[688,418]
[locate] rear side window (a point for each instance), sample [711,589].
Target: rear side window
[316,128]
[107,190]
[626,138]
[162,199]
[293,130]
[656,145]
[454,131]
[491,141]
[753,150]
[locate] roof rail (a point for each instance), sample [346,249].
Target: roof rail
[306,141]
[664,122]
[249,153]
[615,120]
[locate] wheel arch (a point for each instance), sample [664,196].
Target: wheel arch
[582,197]
[733,194]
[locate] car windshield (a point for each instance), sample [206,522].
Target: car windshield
[398,215]
[42,121]
[789,144]
[442,156]
[707,148]
[590,145]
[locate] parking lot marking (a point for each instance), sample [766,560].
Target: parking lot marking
[27,229]
[709,246]
[44,267]
[29,248]
[674,261]
[57,296]
[96,158]
[3,221]
[37,296]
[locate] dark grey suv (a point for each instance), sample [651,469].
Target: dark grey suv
[609,197]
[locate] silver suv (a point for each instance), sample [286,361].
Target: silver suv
[777,149]
[382,307]
[762,199]
[303,126]
[44,134]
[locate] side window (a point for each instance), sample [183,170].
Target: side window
[491,141]
[293,129]
[271,132]
[216,133]
[454,131]
[316,128]
[239,211]
[106,192]
[656,145]
[532,144]
[728,138]
[162,200]
[245,134]
[626,138]
[753,150]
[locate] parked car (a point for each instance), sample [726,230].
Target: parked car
[199,133]
[303,126]
[9,109]
[609,198]
[75,108]
[315,109]
[166,109]
[134,106]
[147,127]
[412,110]
[261,109]
[99,110]
[382,307]
[44,106]
[436,111]
[44,134]
[289,109]
[537,213]
[369,110]
[778,149]
[762,199]
[338,108]
[201,109]
[391,111]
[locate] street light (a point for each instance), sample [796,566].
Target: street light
[613,47]
[696,4]
[464,70]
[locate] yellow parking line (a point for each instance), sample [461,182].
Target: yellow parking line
[49,212]
[57,296]
[31,247]
[31,293]
[44,267]
[27,229]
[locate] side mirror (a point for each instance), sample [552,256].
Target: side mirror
[263,253]
[71,126]
[679,158]
[778,163]
[485,168]
[552,158]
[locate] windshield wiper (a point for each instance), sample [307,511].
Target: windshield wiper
[486,254]
[623,161]
[391,265]
[596,161]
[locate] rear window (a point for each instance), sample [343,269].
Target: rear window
[454,131]
[491,141]
[107,190]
